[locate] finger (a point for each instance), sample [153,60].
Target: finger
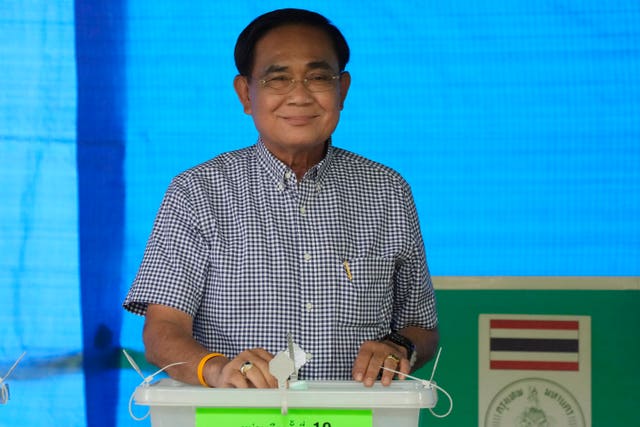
[267,380]
[391,362]
[405,368]
[232,377]
[362,361]
[258,374]
[262,354]
[373,370]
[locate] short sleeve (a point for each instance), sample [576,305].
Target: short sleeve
[175,260]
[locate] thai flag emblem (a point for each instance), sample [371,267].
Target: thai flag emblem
[530,344]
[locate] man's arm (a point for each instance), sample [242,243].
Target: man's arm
[375,354]
[168,339]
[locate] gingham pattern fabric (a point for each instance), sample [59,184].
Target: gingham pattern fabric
[252,254]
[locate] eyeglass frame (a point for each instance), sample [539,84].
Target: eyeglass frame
[304,81]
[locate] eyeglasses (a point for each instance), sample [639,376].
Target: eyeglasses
[317,82]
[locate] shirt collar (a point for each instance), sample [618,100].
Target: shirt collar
[281,173]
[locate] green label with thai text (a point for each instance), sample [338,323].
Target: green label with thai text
[272,417]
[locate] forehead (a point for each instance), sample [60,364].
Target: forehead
[294,46]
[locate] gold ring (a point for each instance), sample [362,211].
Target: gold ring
[245,367]
[394,358]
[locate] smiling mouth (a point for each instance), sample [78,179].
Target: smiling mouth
[299,120]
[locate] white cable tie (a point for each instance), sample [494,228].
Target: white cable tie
[148,379]
[145,382]
[133,363]
[13,367]
[427,384]
[4,387]
[284,405]
[435,364]
[131,414]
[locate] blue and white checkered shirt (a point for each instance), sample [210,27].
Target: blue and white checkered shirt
[252,254]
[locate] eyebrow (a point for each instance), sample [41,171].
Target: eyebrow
[313,65]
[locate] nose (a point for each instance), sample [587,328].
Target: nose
[299,92]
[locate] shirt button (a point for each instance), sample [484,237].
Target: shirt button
[287,175]
[307,257]
[303,210]
[280,187]
[309,307]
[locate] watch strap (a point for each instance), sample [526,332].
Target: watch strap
[403,341]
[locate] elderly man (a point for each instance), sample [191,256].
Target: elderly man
[289,236]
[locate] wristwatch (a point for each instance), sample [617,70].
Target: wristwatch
[405,342]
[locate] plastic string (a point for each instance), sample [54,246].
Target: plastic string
[4,388]
[145,382]
[435,364]
[429,384]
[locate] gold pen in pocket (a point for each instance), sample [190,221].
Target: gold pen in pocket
[347,269]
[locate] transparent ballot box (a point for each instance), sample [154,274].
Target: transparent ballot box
[303,404]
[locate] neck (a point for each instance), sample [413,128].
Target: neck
[300,161]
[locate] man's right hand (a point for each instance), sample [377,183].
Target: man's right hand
[250,369]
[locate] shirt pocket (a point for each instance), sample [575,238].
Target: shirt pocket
[366,297]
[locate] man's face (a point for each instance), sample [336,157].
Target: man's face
[299,120]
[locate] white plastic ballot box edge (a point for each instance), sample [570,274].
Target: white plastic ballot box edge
[317,394]
[173,404]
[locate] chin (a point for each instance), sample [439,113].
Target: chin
[301,141]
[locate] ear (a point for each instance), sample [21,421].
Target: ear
[345,83]
[241,85]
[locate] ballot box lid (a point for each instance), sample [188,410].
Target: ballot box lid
[307,394]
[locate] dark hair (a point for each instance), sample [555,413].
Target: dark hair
[245,45]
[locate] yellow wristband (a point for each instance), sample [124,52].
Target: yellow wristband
[203,361]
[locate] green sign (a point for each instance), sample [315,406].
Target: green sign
[272,417]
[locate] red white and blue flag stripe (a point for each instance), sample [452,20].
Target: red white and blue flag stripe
[530,344]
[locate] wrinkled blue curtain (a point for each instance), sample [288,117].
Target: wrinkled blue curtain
[39,254]
[62,149]
[515,123]
[100,63]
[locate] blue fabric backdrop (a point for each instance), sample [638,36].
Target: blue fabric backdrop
[515,123]
[101,85]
